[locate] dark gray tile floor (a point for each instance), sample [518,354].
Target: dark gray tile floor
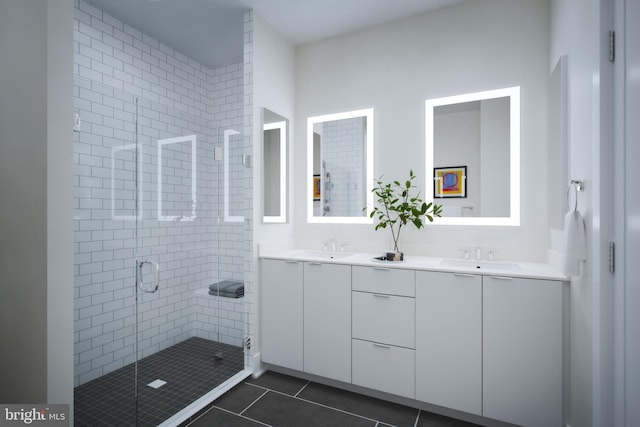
[283,401]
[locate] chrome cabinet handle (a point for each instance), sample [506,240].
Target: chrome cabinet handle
[156,276]
[381,296]
[386,347]
[463,275]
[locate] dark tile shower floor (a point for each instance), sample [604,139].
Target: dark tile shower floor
[283,401]
[190,368]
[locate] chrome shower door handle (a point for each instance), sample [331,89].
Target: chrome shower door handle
[156,276]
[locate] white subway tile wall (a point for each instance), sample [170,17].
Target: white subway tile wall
[132,91]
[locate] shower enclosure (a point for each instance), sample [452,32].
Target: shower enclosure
[161,245]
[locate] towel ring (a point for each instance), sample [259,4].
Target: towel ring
[577,186]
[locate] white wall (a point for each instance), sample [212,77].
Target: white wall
[393,68]
[59,193]
[576,31]
[272,71]
[273,77]
[35,213]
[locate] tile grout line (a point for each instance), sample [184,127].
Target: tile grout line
[317,404]
[417,418]
[244,416]
[254,402]
[228,412]
[302,389]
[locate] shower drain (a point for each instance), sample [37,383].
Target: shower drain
[156,383]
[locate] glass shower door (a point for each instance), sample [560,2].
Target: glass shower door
[190,315]
[176,243]
[159,312]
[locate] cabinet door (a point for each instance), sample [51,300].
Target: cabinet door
[522,351]
[449,340]
[327,320]
[281,285]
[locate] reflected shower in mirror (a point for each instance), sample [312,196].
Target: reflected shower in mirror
[340,167]
[274,167]
[473,149]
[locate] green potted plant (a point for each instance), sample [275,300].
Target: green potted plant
[396,207]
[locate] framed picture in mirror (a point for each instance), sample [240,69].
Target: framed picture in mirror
[450,182]
[316,188]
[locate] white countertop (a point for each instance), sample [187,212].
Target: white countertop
[531,270]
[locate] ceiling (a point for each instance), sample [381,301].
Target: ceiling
[210,31]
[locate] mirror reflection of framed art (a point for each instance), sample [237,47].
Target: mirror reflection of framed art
[450,182]
[316,187]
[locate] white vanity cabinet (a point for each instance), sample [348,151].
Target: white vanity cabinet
[449,340]
[384,329]
[281,294]
[475,342]
[327,320]
[522,351]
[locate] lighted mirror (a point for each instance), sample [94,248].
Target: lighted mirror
[177,191]
[340,167]
[473,157]
[274,180]
[233,162]
[557,150]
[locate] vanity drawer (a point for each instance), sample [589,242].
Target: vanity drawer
[384,367]
[384,280]
[385,319]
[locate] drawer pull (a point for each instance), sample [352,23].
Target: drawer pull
[315,263]
[381,268]
[381,296]
[463,275]
[501,277]
[292,261]
[386,347]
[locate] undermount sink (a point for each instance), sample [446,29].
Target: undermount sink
[480,265]
[324,255]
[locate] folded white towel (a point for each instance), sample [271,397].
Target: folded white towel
[575,243]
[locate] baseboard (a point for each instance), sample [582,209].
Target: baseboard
[257,368]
